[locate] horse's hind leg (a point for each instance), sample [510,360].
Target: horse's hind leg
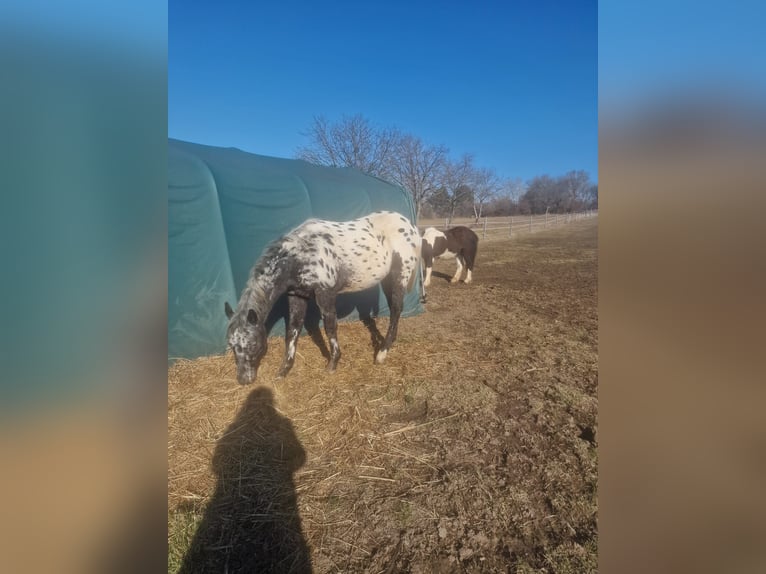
[326,303]
[459,271]
[297,306]
[394,287]
[468,266]
[470,258]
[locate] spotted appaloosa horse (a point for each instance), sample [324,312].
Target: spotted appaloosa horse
[321,259]
[459,242]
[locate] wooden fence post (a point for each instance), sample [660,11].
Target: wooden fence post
[510,227]
[530,223]
[484,235]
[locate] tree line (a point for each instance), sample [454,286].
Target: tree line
[441,186]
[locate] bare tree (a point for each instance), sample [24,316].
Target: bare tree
[513,189]
[417,167]
[575,184]
[591,196]
[562,194]
[434,180]
[351,142]
[543,194]
[486,185]
[457,182]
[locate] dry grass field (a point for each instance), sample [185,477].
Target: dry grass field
[472,449]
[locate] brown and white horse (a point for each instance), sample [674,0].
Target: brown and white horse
[459,242]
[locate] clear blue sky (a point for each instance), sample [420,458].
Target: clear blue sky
[514,83]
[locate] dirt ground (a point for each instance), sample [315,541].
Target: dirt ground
[472,449]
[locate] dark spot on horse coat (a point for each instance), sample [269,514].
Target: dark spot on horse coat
[397,265]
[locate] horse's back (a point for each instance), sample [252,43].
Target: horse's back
[464,235]
[401,235]
[361,250]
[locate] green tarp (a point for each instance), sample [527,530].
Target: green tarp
[225,206]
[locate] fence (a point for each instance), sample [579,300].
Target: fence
[508,226]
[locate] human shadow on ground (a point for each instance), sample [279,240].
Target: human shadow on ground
[252,522]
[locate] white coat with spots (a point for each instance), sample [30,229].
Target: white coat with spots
[321,259]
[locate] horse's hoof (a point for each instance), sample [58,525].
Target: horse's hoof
[330,368]
[381,356]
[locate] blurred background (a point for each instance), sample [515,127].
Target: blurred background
[83,306]
[83,297]
[682,271]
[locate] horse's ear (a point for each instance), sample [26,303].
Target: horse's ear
[227,308]
[252,318]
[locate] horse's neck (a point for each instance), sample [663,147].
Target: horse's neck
[263,291]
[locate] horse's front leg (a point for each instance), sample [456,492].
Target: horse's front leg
[297,314]
[326,303]
[427,282]
[428,262]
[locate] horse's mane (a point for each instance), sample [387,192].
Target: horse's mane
[270,252]
[256,294]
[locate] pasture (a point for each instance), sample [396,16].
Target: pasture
[472,449]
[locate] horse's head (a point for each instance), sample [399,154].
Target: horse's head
[247,338]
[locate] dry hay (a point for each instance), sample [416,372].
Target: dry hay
[474,444]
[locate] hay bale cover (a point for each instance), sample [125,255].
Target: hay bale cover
[225,206]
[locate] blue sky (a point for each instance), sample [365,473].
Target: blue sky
[514,83]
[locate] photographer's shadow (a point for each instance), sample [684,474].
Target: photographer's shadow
[252,523]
